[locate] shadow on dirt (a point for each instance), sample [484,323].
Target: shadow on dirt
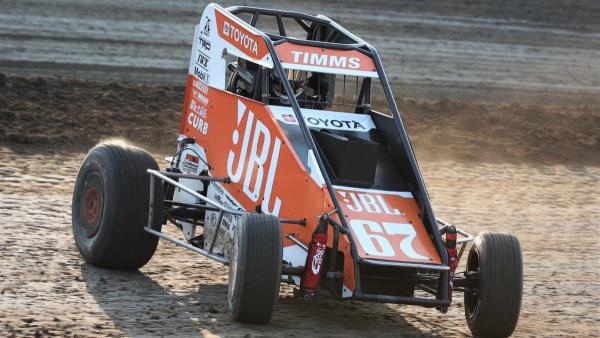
[139,306]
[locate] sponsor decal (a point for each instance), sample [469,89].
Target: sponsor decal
[289,118]
[325,119]
[318,259]
[325,60]
[221,196]
[197,112]
[366,202]
[190,163]
[202,60]
[204,44]
[202,74]
[192,158]
[336,61]
[241,38]
[325,123]
[197,95]
[196,121]
[206,29]
[194,106]
[198,109]
[258,155]
[202,112]
[218,197]
[200,86]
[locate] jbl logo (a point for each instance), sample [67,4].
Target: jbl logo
[261,158]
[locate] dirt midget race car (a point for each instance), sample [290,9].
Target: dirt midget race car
[293,166]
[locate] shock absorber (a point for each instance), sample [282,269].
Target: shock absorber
[314,259]
[452,257]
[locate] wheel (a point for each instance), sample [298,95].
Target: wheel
[255,268]
[110,207]
[495,268]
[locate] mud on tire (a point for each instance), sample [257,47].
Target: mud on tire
[110,207]
[496,261]
[255,268]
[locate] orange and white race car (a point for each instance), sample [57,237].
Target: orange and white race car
[293,165]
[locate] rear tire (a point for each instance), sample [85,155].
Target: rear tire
[255,268]
[496,261]
[110,207]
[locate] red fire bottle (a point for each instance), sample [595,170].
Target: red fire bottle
[452,257]
[316,253]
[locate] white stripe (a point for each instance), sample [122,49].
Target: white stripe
[324,118]
[330,70]
[403,194]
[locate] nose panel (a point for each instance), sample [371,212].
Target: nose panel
[386,225]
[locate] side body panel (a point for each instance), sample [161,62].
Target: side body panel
[244,141]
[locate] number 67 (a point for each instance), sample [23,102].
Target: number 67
[367,233]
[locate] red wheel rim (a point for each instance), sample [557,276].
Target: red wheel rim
[91,204]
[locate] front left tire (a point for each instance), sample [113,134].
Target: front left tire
[255,268]
[110,207]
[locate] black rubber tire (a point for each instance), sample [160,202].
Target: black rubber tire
[255,269]
[494,310]
[111,235]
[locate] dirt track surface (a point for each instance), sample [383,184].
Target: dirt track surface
[45,286]
[500,99]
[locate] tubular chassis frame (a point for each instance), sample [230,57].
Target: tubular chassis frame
[439,286]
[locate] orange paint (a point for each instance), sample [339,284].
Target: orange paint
[351,60]
[250,43]
[244,141]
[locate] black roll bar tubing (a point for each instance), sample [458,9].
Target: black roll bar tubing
[280,25]
[305,131]
[325,44]
[321,19]
[443,287]
[274,12]
[312,146]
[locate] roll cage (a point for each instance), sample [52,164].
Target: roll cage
[397,138]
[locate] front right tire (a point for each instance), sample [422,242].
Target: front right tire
[495,268]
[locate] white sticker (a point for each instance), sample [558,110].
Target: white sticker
[325,119]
